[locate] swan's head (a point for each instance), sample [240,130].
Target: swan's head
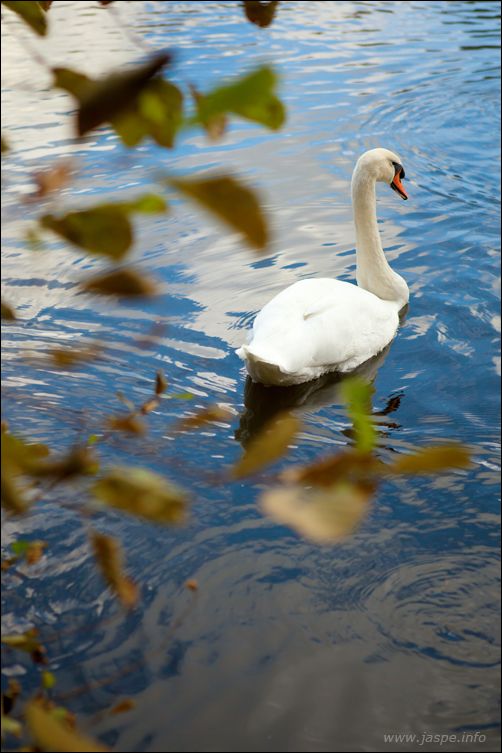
[385,166]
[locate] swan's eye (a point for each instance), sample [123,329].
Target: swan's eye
[399,170]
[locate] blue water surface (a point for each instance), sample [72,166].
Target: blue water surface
[286,645]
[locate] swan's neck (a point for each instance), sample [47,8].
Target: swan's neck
[373,270]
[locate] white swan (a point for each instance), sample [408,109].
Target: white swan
[320,325]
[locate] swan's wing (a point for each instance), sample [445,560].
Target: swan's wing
[321,322]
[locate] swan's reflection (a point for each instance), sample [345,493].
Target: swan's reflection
[263,403]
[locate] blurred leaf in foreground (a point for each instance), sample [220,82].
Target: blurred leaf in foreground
[110,559]
[142,493]
[32,551]
[350,466]
[251,97]
[31,13]
[261,14]
[269,445]
[211,414]
[357,394]
[51,180]
[215,125]
[10,726]
[323,515]
[230,201]
[122,282]
[433,459]
[104,230]
[8,312]
[50,734]
[129,423]
[106,98]
[160,382]
[157,112]
[5,145]
[68,357]
[28,642]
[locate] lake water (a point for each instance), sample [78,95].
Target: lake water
[286,645]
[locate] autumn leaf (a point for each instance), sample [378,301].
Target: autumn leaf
[110,559]
[269,445]
[433,459]
[160,382]
[261,14]
[323,515]
[230,201]
[211,414]
[122,282]
[8,313]
[349,466]
[142,493]
[130,424]
[50,734]
[31,13]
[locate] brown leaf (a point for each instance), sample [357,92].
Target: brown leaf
[109,555]
[348,465]
[260,14]
[269,445]
[8,312]
[204,416]
[433,459]
[130,424]
[233,203]
[149,405]
[160,382]
[122,282]
[50,734]
[31,13]
[323,515]
[122,706]
[51,180]
[192,585]
[68,357]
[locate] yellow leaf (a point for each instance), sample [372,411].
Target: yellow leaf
[269,445]
[432,459]
[110,559]
[50,735]
[10,726]
[233,203]
[322,515]
[142,493]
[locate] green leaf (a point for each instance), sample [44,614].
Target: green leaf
[123,282]
[433,459]
[322,515]
[357,394]
[31,13]
[142,493]
[104,231]
[251,97]
[261,14]
[269,445]
[157,112]
[231,202]
[50,734]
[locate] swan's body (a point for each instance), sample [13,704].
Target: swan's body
[320,325]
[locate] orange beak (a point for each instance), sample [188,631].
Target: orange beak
[396,183]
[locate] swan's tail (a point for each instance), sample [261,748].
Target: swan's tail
[262,370]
